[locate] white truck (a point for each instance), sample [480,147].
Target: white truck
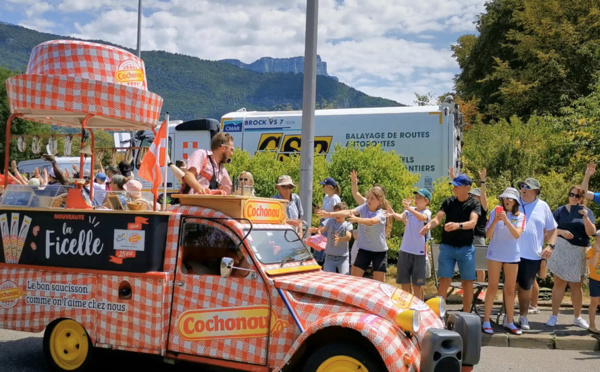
[427,137]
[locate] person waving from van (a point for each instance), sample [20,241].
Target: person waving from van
[206,169]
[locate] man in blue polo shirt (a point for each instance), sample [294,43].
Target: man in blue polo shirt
[461,212]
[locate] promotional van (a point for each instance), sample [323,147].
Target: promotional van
[427,137]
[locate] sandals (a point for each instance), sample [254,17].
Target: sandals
[487,328]
[594,331]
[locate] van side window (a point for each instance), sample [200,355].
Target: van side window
[203,248]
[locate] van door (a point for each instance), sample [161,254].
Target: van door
[211,316]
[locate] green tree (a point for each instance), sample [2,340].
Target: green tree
[531,56]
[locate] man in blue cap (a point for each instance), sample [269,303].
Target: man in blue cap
[461,212]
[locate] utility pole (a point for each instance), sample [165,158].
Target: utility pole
[307,152]
[139,33]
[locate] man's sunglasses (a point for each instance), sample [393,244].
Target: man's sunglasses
[525,186]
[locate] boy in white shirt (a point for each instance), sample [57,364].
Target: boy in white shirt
[413,250]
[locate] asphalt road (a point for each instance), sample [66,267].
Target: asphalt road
[22,352]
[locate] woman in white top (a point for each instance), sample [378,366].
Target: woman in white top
[505,226]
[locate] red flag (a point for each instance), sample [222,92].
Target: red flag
[154,159]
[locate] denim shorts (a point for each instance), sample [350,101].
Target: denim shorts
[451,256]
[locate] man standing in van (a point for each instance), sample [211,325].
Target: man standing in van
[206,170]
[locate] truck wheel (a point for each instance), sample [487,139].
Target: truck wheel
[341,357]
[67,346]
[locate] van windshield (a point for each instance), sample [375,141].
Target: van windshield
[278,246]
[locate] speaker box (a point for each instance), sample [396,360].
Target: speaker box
[441,351]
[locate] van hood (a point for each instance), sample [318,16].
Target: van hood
[368,295]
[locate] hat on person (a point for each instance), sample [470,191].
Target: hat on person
[285,180]
[475,192]
[424,192]
[125,168]
[462,180]
[532,183]
[34,181]
[328,181]
[134,188]
[510,193]
[101,176]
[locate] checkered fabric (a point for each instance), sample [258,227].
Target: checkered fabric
[67,80]
[28,315]
[212,292]
[141,327]
[316,295]
[48,100]
[93,300]
[86,60]
[387,338]
[281,342]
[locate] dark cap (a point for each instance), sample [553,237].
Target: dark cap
[424,192]
[125,168]
[462,180]
[328,181]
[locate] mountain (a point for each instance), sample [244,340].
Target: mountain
[195,88]
[294,65]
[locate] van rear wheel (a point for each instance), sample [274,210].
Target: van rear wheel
[67,346]
[341,357]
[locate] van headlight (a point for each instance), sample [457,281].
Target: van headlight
[409,321]
[438,305]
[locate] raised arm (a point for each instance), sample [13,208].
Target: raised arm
[358,198]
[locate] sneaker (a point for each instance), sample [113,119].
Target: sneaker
[581,323]
[553,320]
[512,328]
[533,310]
[487,328]
[524,323]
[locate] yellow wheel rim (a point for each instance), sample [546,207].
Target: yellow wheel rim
[341,363]
[69,345]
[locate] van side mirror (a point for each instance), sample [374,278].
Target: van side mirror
[226,267]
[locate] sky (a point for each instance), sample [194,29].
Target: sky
[384,48]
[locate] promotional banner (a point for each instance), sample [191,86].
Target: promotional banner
[103,241]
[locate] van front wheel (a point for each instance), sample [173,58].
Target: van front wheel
[340,357]
[67,346]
